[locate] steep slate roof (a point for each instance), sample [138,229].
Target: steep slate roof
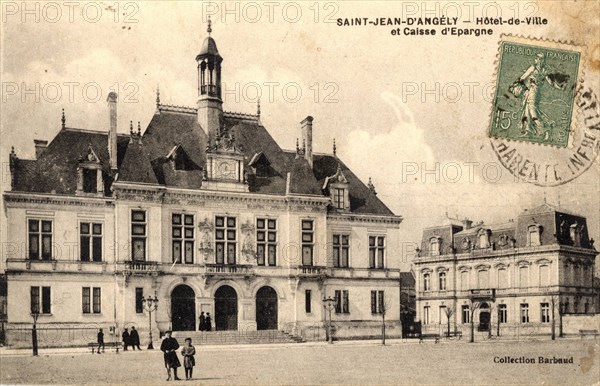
[56,169]
[145,160]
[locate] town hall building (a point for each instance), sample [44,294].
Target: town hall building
[204,211]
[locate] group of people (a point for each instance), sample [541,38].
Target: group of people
[131,339]
[169,347]
[205,322]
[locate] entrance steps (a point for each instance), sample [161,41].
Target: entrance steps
[235,337]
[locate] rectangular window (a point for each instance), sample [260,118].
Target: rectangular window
[377,302]
[524,313]
[308,301]
[338,198]
[466,315]
[502,313]
[90,241]
[90,300]
[545,312]
[226,239]
[40,304]
[342,305]
[426,315]
[139,304]
[182,235]
[138,235]
[90,180]
[40,239]
[341,251]
[308,239]
[442,317]
[376,251]
[266,241]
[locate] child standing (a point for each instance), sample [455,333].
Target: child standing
[188,351]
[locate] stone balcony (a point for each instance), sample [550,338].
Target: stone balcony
[229,270]
[311,271]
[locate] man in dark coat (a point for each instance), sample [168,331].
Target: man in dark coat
[169,347]
[100,341]
[134,338]
[126,339]
[202,326]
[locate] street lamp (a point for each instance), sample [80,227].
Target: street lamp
[150,304]
[329,305]
[35,313]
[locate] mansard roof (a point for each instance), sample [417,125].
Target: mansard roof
[55,171]
[146,160]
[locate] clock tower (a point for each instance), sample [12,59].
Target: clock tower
[210,105]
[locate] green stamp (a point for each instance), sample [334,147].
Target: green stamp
[536,86]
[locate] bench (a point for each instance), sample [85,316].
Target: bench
[429,336]
[96,349]
[584,333]
[457,334]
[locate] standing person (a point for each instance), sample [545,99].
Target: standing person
[169,347]
[135,339]
[202,325]
[188,351]
[126,339]
[208,322]
[100,340]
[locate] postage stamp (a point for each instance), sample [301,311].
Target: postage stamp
[536,88]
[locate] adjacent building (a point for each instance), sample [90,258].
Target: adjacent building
[204,210]
[514,277]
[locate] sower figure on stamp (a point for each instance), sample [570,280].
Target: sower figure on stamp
[134,337]
[100,341]
[169,347]
[202,324]
[188,351]
[126,339]
[527,87]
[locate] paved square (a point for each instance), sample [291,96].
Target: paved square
[341,363]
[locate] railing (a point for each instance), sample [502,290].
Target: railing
[311,270]
[138,266]
[238,269]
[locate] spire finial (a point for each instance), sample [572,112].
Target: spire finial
[258,108]
[372,189]
[157,96]
[297,146]
[303,145]
[334,147]
[209,29]
[131,128]
[139,133]
[63,119]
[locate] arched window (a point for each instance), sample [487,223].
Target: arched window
[442,277]
[524,276]
[426,282]
[483,278]
[434,246]
[544,275]
[464,280]
[502,278]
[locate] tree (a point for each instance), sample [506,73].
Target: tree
[449,312]
[474,306]
[554,303]
[384,305]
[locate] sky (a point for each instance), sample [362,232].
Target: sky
[411,112]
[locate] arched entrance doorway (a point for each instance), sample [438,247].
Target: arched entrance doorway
[226,308]
[266,309]
[484,317]
[183,308]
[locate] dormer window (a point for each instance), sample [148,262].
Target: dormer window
[575,233]
[435,245]
[261,165]
[484,238]
[180,160]
[336,186]
[534,233]
[89,175]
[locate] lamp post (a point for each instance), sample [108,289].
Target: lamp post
[329,305]
[150,304]
[34,342]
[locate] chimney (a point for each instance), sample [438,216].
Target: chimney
[112,133]
[40,146]
[467,223]
[307,139]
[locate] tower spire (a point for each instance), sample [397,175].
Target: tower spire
[157,96]
[63,119]
[334,148]
[258,108]
[209,28]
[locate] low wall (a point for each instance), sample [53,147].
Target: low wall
[350,330]
[573,323]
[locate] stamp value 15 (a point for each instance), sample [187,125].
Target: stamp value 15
[536,86]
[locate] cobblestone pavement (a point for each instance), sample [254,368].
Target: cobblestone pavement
[340,363]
